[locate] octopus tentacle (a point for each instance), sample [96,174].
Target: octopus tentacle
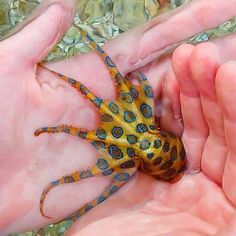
[119,177]
[65,129]
[71,178]
[98,102]
[111,66]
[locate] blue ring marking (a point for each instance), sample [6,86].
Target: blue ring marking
[115,152]
[132,139]
[127,97]
[72,81]
[89,207]
[134,92]
[101,199]
[127,164]
[145,144]
[97,101]
[101,133]
[129,116]
[84,90]
[122,177]
[152,127]
[166,147]
[113,189]
[99,49]
[66,130]
[114,108]
[150,155]
[68,179]
[109,62]
[98,144]
[157,143]
[117,132]
[163,134]
[130,152]
[118,78]
[102,164]
[148,91]
[146,110]
[143,77]
[55,182]
[107,118]
[82,134]
[85,174]
[108,172]
[46,128]
[141,128]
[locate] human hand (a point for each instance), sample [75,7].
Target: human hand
[46,158]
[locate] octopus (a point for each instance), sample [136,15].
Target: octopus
[129,137]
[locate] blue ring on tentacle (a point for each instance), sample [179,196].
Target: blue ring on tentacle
[132,139]
[115,152]
[127,164]
[99,49]
[117,132]
[84,90]
[113,189]
[55,182]
[148,91]
[134,92]
[66,130]
[82,134]
[150,155]
[89,207]
[122,177]
[97,101]
[101,199]
[110,62]
[143,77]
[85,174]
[166,147]
[99,144]
[157,143]
[130,152]
[102,164]
[107,118]
[145,144]
[129,116]
[152,127]
[101,133]
[127,97]
[68,179]
[118,78]
[72,81]
[146,110]
[141,128]
[108,172]
[114,108]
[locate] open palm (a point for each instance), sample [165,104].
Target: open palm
[201,203]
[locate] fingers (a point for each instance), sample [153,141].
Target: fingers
[195,127]
[225,88]
[170,119]
[36,39]
[204,64]
[187,21]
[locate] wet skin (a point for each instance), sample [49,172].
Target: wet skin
[189,207]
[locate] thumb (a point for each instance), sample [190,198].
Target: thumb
[36,39]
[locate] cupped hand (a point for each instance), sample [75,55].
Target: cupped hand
[200,93]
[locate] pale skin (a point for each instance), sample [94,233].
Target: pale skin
[201,92]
